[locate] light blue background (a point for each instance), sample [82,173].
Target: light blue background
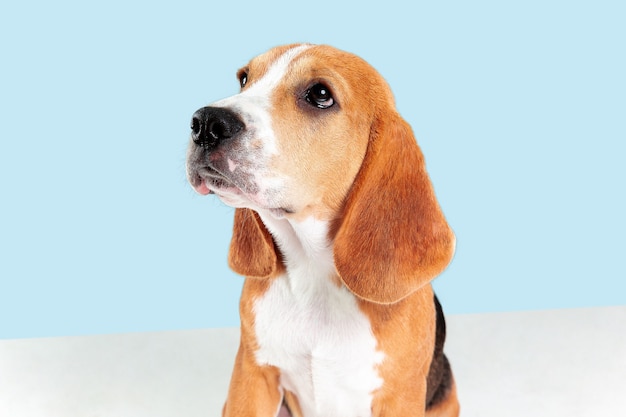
[519,107]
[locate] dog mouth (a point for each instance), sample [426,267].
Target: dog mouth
[208,180]
[238,190]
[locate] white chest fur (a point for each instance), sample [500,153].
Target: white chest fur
[315,333]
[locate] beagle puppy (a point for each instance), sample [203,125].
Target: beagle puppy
[338,233]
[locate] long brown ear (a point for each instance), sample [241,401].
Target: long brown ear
[393,237]
[252,252]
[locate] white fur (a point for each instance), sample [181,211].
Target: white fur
[254,107]
[313,330]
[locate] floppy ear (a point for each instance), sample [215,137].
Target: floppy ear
[252,252]
[393,237]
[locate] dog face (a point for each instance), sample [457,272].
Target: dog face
[293,140]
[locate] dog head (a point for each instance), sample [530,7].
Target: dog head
[292,141]
[314,133]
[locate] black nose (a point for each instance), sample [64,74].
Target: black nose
[212,125]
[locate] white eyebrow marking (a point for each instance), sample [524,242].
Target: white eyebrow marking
[276,72]
[253,104]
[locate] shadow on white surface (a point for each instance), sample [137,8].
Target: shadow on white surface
[547,363]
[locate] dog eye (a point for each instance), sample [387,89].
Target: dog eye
[319,96]
[243,78]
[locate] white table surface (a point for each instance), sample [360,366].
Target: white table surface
[545,363]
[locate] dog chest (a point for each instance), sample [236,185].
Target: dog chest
[315,333]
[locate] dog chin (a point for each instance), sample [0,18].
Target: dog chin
[237,199]
[234,197]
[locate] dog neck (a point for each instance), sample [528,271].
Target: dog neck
[305,246]
[332,367]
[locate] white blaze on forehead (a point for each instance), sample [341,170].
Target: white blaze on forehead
[258,94]
[276,72]
[253,106]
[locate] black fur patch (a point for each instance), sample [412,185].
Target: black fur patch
[440,374]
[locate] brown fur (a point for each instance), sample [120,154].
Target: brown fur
[393,237]
[367,175]
[252,250]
